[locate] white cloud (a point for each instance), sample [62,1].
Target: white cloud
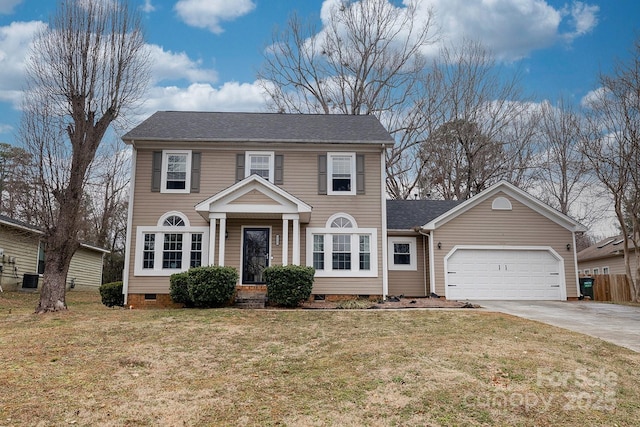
[15,42]
[169,65]
[511,29]
[147,7]
[209,13]
[6,6]
[231,96]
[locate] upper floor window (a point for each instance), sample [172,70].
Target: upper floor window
[176,171]
[341,172]
[260,163]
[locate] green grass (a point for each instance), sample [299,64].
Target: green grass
[113,367]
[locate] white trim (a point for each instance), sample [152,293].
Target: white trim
[222,239]
[575,263]
[413,253]
[517,194]
[355,234]
[501,203]
[352,166]
[432,263]
[284,244]
[333,217]
[163,175]
[127,245]
[159,232]
[549,249]
[269,258]
[247,162]
[164,217]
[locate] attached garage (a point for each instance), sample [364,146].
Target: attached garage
[512,273]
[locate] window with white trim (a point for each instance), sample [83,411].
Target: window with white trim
[176,171]
[587,271]
[402,253]
[605,270]
[596,270]
[341,173]
[342,249]
[173,245]
[260,163]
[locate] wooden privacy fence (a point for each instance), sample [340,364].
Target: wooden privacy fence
[611,287]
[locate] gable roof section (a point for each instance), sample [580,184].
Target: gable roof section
[259,127]
[223,202]
[609,247]
[411,214]
[519,195]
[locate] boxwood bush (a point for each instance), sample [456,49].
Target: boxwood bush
[288,285]
[179,289]
[111,294]
[212,286]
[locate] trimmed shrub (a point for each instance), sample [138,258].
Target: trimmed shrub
[179,289]
[212,286]
[111,294]
[289,285]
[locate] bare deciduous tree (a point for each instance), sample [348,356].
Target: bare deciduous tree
[612,146]
[365,60]
[85,70]
[478,126]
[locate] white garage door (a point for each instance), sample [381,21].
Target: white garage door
[503,274]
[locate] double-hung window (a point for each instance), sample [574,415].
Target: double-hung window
[260,163]
[342,249]
[341,173]
[402,253]
[173,245]
[176,171]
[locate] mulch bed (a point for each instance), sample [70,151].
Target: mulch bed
[393,304]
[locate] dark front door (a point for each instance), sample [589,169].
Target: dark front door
[255,254]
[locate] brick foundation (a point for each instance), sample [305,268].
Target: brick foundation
[138,301]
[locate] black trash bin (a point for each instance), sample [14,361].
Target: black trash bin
[586,287]
[30,281]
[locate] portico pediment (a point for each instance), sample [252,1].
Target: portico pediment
[254,195]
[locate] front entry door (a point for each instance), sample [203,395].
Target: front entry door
[255,254]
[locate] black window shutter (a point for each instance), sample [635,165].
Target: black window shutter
[278,173]
[359,173]
[156,171]
[322,174]
[240,167]
[195,172]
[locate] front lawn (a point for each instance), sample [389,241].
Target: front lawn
[95,366]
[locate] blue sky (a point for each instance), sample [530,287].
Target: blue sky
[207,52]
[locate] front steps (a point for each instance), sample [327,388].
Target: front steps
[251,297]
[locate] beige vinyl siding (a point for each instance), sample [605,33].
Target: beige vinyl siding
[412,283]
[22,245]
[86,269]
[521,226]
[615,264]
[218,172]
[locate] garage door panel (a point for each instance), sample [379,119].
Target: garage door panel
[503,274]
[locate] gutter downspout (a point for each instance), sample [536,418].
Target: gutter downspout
[127,250]
[575,263]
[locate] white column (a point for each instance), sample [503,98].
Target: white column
[221,240]
[296,241]
[212,241]
[285,241]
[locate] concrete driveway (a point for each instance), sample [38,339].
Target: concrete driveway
[618,324]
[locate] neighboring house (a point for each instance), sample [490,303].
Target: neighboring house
[605,257]
[250,190]
[22,259]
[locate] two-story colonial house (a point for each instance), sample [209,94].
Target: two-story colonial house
[249,190]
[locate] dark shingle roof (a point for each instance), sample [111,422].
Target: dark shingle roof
[609,247]
[267,127]
[408,214]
